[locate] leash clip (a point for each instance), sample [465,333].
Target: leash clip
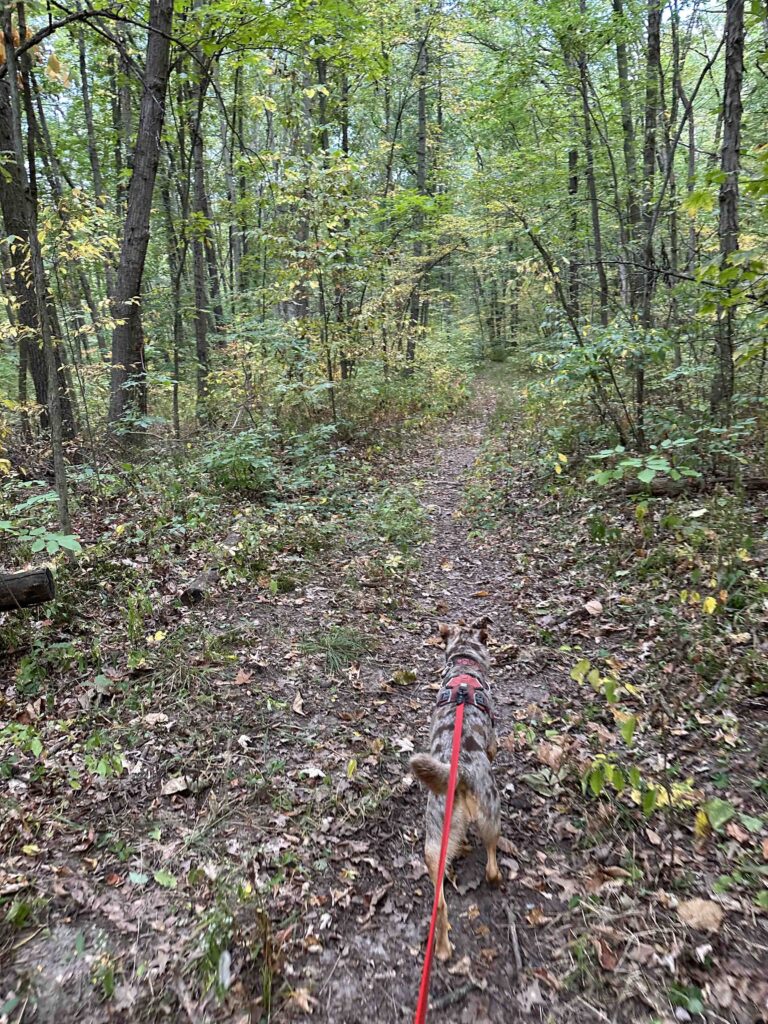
[462,693]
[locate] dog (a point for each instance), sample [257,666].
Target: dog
[477,798]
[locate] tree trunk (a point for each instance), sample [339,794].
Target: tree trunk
[36,269]
[416,317]
[128,390]
[653,66]
[589,174]
[93,148]
[630,153]
[722,386]
[14,206]
[199,233]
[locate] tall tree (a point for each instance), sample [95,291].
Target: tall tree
[128,386]
[728,226]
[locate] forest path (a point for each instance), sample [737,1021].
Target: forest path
[372,952]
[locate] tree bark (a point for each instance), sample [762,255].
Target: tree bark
[23,589]
[629,145]
[723,383]
[416,317]
[128,388]
[589,174]
[14,203]
[36,268]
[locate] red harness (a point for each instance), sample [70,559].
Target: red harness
[464,689]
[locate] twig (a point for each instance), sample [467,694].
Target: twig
[454,996]
[325,983]
[515,940]
[594,1009]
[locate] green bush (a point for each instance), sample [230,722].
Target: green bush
[244,462]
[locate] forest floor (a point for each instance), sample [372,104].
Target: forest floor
[261,858]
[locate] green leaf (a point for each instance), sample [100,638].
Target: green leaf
[646,475]
[36,746]
[649,802]
[719,812]
[579,670]
[166,879]
[70,543]
[597,779]
[754,825]
[627,729]
[762,899]
[138,877]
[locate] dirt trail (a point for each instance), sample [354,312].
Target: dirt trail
[370,965]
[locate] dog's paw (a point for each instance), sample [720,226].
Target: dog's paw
[494,878]
[444,950]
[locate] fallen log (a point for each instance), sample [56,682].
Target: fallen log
[196,591]
[23,589]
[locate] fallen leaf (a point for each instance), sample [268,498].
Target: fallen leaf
[594,607]
[177,784]
[156,718]
[404,744]
[737,832]
[705,915]
[242,678]
[605,955]
[505,845]
[463,966]
[447,565]
[536,917]
[550,754]
[298,704]
[643,954]
[302,1000]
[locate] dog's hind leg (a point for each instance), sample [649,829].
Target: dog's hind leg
[489,826]
[443,947]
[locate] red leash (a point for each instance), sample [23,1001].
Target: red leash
[421,1007]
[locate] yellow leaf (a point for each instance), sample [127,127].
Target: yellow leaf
[709,605]
[701,824]
[558,468]
[563,458]
[5,467]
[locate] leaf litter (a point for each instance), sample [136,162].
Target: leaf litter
[264,846]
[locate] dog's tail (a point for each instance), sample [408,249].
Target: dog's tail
[433,774]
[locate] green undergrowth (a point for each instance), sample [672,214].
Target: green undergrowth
[264,510]
[655,615]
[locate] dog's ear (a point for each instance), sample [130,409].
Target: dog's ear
[481,628]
